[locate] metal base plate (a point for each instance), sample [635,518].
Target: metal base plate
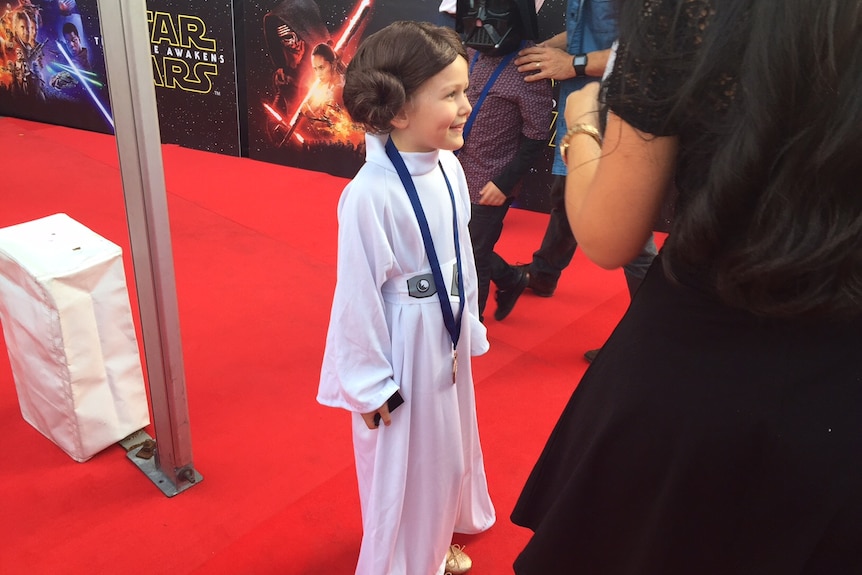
[133,444]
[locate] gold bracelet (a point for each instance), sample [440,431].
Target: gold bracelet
[587,129]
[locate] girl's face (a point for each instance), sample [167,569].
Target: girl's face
[434,117]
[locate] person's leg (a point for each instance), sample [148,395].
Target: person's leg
[635,272]
[558,245]
[503,274]
[511,281]
[636,269]
[486,225]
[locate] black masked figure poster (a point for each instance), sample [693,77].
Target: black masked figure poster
[296,52]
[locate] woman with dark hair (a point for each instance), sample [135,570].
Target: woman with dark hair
[325,103]
[329,71]
[328,122]
[327,56]
[720,429]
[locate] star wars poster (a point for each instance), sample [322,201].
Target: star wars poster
[194,72]
[52,68]
[296,52]
[535,194]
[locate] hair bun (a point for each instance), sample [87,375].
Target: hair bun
[373,98]
[391,65]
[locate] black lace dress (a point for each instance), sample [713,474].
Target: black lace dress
[702,440]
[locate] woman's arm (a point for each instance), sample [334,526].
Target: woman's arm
[613,192]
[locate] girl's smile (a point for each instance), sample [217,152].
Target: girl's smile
[434,117]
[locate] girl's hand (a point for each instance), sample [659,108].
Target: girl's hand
[385,418]
[582,107]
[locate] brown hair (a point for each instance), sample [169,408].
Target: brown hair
[390,65]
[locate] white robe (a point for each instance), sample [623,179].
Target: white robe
[423,477]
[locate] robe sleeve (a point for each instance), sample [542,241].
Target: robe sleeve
[357,372]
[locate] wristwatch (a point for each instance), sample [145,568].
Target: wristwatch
[579,63]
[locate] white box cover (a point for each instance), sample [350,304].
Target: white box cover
[68,326]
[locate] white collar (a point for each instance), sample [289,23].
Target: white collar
[418,163]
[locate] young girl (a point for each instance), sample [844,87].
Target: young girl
[404,317]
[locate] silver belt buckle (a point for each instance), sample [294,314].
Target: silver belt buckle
[423,285]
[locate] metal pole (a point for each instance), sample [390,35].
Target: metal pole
[125,36]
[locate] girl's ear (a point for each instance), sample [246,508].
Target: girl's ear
[400,121]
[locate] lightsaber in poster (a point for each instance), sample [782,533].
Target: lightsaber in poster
[279,119]
[86,85]
[360,12]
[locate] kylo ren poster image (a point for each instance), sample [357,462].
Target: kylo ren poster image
[296,52]
[52,68]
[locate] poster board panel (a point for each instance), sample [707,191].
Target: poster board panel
[285,124]
[194,72]
[295,115]
[52,67]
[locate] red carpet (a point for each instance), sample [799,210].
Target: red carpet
[254,252]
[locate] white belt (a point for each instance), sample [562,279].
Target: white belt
[420,288]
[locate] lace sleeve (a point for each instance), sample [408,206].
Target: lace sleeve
[649,70]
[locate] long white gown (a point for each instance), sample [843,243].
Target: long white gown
[423,477]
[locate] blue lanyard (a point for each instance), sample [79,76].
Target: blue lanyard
[494,75]
[452,325]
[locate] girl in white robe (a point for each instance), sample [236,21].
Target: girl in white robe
[421,474]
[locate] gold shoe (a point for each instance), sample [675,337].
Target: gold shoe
[457,562]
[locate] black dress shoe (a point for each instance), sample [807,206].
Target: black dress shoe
[506,298]
[541,289]
[591,355]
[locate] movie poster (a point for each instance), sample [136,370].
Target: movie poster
[296,52]
[52,68]
[535,193]
[194,72]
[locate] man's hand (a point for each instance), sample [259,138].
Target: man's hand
[490,195]
[541,62]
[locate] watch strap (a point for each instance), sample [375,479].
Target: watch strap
[579,63]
